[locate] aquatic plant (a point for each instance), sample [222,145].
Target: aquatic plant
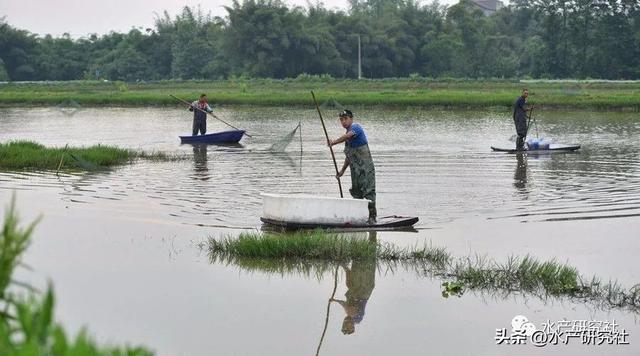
[302,245]
[27,325]
[315,252]
[28,154]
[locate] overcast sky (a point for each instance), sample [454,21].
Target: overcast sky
[82,17]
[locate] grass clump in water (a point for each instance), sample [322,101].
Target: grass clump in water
[300,245]
[28,154]
[320,245]
[522,274]
[315,252]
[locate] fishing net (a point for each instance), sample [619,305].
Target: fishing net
[331,105]
[69,107]
[281,144]
[329,108]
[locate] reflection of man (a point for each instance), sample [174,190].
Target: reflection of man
[200,161]
[361,279]
[520,176]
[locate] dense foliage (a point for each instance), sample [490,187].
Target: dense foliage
[400,38]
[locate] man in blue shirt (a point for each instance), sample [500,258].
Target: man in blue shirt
[520,118]
[358,159]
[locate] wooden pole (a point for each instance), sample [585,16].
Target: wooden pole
[333,156]
[217,118]
[61,159]
[529,123]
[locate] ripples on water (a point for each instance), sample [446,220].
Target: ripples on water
[436,165]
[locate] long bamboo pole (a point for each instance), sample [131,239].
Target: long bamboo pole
[333,156]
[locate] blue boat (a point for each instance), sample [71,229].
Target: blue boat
[232,136]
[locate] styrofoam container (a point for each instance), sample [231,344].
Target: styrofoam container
[314,209]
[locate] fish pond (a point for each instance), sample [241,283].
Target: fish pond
[128,249]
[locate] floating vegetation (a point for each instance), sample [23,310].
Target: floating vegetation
[32,155]
[319,245]
[317,252]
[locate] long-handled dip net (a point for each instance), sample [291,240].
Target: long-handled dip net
[331,106]
[281,144]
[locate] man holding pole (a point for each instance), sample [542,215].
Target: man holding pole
[200,109]
[520,118]
[358,159]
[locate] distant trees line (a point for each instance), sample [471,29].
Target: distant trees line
[265,38]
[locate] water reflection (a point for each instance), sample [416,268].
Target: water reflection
[289,159]
[360,279]
[517,277]
[520,176]
[200,168]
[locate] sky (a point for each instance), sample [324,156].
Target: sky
[82,17]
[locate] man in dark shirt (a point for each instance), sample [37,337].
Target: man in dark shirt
[520,118]
[200,109]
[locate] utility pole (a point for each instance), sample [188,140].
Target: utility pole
[359,59]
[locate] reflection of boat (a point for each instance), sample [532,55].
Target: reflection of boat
[554,147]
[310,211]
[232,136]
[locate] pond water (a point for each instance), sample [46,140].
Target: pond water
[121,247]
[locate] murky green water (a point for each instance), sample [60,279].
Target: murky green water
[121,249]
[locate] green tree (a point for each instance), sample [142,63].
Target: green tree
[4,76]
[17,48]
[191,50]
[61,58]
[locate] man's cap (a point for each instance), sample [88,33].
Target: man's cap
[344,113]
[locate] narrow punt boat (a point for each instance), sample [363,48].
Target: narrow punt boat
[232,136]
[554,147]
[297,211]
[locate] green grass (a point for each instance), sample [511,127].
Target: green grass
[31,155]
[421,92]
[313,245]
[316,252]
[317,245]
[27,324]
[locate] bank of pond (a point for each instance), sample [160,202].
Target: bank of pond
[397,92]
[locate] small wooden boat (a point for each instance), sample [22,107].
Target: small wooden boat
[392,222]
[554,147]
[297,211]
[233,136]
